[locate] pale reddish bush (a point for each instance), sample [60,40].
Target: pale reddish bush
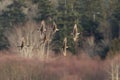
[13,67]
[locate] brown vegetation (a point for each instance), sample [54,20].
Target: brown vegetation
[13,67]
[31,39]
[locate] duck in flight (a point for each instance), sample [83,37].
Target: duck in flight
[55,29]
[22,43]
[75,33]
[65,46]
[42,28]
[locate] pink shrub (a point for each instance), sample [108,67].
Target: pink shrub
[13,67]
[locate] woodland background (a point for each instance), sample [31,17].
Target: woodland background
[97,20]
[97,48]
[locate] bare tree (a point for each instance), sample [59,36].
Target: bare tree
[114,72]
[31,40]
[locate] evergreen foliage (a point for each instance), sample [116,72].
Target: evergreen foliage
[45,9]
[95,18]
[12,14]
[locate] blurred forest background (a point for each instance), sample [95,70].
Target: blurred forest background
[98,22]
[41,32]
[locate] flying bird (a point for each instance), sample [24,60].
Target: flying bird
[42,28]
[75,33]
[45,39]
[22,43]
[65,46]
[55,29]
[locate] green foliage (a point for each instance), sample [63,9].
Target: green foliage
[45,9]
[67,16]
[12,15]
[97,18]
[115,21]
[116,13]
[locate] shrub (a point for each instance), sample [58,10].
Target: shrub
[114,47]
[28,41]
